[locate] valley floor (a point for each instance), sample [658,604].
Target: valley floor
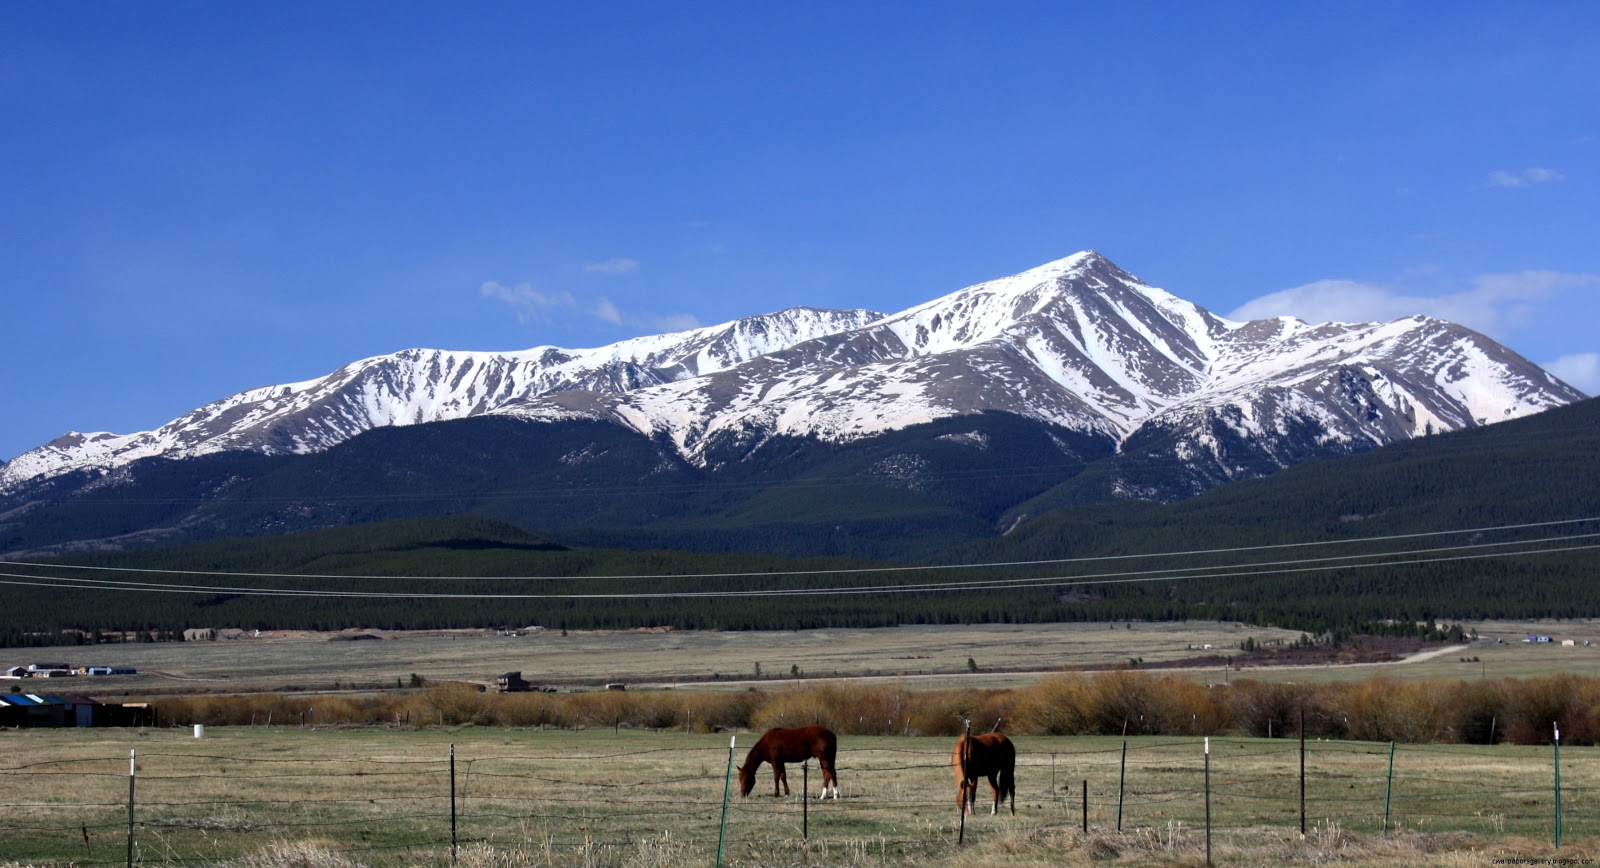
[986,655]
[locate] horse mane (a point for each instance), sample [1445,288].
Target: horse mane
[747,772]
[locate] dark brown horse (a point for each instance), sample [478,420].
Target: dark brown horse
[779,746]
[989,756]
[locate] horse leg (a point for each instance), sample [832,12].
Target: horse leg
[829,776]
[994,808]
[779,776]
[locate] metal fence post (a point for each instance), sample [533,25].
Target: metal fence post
[1208,800]
[727,781]
[1086,806]
[1557,727]
[805,799]
[452,803]
[132,766]
[1388,788]
[1302,771]
[1122,775]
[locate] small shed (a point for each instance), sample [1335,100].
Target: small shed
[32,709]
[38,710]
[512,682]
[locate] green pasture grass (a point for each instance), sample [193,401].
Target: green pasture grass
[376,796]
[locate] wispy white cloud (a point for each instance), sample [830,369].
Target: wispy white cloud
[676,322]
[1525,178]
[1491,303]
[1579,370]
[532,304]
[614,265]
[527,302]
[606,311]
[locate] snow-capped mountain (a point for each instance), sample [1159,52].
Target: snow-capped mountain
[1081,344]
[1076,343]
[416,386]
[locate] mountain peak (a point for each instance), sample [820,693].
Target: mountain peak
[1076,342]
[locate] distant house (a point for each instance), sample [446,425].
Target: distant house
[1569,643]
[14,672]
[512,682]
[616,685]
[111,670]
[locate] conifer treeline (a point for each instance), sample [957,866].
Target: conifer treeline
[1382,600]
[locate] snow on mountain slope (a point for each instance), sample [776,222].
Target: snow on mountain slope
[416,386]
[1077,343]
[1081,344]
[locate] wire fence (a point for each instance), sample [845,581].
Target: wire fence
[421,797]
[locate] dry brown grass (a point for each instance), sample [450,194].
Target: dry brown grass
[249,796]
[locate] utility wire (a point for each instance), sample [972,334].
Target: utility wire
[818,572]
[1164,572]
[990,584]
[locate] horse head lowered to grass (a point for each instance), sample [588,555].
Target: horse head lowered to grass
[779,746]
[989,756]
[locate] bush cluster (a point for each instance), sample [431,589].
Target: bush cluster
[1106,703]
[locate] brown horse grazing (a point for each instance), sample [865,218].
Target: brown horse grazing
[992,756]
[779,746]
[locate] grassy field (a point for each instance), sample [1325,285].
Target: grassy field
[1486,658]
[311,661]
[1006,656]
[373,796]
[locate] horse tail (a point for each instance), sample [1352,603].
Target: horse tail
[1008,784]
[1008,773]
[827,751]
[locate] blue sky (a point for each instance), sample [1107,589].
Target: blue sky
[200,198]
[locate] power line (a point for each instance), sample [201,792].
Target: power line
[1088,578]
[988,584]
[820,572]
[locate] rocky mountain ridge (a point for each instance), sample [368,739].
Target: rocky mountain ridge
[1076,343]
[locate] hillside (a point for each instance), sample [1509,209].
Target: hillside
[804,432]
[1539,469]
